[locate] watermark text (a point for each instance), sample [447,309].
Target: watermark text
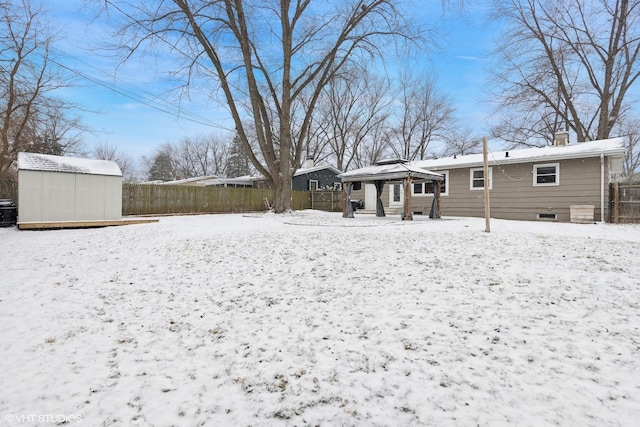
[43,418]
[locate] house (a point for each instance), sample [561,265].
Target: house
[545,183]
[199,180]
[307,178]
[314,178]
[57,189]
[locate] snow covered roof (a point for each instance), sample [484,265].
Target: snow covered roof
[303,171]
[609,147]
[389,171]
[240,180]
[51,163]
[186,181]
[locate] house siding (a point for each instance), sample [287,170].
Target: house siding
[326,179]
[513,195]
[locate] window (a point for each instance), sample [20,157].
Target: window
[547,216]
[477,179]
[426,188]
[313,185]
[337,186]
[547,174]
[395,190]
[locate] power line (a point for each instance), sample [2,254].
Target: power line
[162,107]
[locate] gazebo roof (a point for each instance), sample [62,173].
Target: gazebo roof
[390,170]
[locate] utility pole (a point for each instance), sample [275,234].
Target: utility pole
[487,209]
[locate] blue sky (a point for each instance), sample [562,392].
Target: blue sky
[118,109]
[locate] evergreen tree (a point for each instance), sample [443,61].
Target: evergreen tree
[238,161]
[161,169]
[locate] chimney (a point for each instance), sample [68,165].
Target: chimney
[561,138]
[308,164]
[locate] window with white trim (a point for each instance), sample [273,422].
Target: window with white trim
[477,179]
[546,174]
[313,185]
[426,188]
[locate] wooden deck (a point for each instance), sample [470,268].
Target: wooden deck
[43,225]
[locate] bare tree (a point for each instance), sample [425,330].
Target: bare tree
[461,142]
[374,148]
[268,53]
[423,114]
[195,156]
[106,151]
[352,107]
[629,129]
[189,158]
[565,65]
[30,118]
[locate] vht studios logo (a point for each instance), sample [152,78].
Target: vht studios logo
[43,418]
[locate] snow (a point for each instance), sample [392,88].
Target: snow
[608,147]
[389,172]
[51,163]
[309,318]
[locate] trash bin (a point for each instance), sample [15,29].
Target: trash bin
[8,214]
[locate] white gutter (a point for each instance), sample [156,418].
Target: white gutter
[602,187]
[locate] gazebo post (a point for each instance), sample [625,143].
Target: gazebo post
[407,214]
[347,207]
[379,206]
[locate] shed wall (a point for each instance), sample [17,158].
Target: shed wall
[58,196]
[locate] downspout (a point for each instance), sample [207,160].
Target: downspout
[602,187]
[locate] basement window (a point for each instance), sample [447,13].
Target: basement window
[547,216]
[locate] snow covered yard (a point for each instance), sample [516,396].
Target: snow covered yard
[312,319]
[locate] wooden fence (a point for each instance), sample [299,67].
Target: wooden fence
[145,199]
[624,202]
[330,201]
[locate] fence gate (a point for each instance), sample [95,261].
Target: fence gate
[624,202]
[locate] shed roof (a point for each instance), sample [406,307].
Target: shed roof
[613,146]
[51,163]
[386,171]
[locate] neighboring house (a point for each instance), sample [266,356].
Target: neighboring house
[314,178]
[56,189]
[199,180]
[246,181]
[307,178]
[543,183]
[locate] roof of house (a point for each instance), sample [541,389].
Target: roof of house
[390,170]
[239,180]
[609,147]
[51,163]
[303,171]
[191,181]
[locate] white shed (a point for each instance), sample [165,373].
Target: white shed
[57,189]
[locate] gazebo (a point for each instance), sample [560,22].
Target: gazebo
[392,170]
